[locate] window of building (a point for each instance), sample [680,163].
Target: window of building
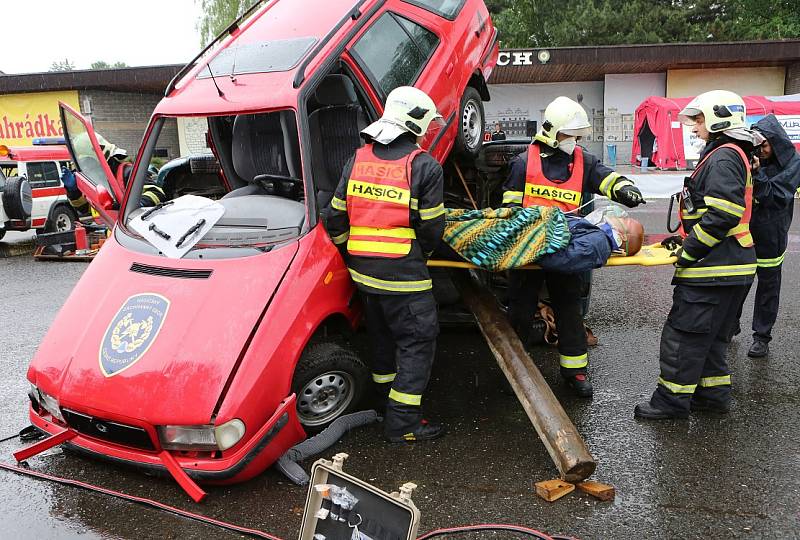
[394,51]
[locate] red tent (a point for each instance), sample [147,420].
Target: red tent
[667,144]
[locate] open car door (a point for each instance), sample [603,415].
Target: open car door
[95,179]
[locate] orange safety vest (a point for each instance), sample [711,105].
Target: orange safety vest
[379,205]
[742,230]
[541,191]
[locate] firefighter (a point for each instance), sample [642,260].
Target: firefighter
[555,171]
[120,168]
[387,216]
[776,178]
[715,265]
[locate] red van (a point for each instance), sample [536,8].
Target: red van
[219,361]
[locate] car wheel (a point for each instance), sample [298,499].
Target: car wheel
[61,219]
[471,124]
[17,198]
[329,381]
[2,233]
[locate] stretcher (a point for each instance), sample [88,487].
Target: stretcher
[653,254]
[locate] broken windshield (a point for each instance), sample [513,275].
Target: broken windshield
[246,167]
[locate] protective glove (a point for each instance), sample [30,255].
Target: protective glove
[68,179]
[630,196]
[672,242]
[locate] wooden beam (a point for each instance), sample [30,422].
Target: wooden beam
[555,429]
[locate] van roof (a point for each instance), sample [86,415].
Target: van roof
[264,54]
[36,153]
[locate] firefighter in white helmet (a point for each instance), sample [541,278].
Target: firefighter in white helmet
[715,266]
[387,217]
[556,171]
[117,160]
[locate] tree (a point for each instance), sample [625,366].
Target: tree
[62,65]
[102,64]
[217,15]
[552,23]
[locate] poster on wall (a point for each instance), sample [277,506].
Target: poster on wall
[24,117]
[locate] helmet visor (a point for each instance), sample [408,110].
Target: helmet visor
[688,114]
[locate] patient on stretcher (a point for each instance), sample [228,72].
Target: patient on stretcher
[506,238]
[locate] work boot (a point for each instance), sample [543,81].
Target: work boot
[759,349]
[648,411]
[425,431]
[704,405]
[580,384]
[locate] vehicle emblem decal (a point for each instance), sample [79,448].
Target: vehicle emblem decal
[132,331]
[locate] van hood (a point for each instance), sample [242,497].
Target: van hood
[155,339]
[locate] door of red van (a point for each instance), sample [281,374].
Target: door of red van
[95,180]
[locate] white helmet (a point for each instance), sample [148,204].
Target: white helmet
[566,116]
[722,109]
[407,110]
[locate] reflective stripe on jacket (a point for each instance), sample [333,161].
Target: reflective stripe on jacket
[379,205]
[541,191]
[716,219]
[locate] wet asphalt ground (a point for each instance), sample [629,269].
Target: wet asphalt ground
[706,477]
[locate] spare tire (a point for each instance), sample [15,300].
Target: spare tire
[17,198]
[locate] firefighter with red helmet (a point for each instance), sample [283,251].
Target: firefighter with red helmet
[555,171]
[387,216]
[716,263]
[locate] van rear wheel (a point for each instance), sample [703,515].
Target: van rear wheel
[329,381]
[61,219]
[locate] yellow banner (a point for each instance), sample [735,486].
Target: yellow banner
[23,117]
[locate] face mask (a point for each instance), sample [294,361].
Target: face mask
[568,145]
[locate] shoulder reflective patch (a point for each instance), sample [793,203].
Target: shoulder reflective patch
[132,331]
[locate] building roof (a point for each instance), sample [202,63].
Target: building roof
[149,80]
[522,66]
[593,63]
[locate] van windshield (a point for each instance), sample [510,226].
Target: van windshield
[249,164]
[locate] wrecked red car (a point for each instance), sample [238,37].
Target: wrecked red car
[213,364]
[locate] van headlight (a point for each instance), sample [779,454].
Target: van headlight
[201,438]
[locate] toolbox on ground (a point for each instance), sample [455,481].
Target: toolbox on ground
[342,507]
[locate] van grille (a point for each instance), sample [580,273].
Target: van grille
[170,272]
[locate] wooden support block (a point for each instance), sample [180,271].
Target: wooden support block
[604,492]
[551,490]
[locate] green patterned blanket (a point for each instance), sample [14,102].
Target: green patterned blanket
[504,238]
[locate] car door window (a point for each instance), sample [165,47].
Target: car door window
[85,155]
[394,51]
[445,8]
[43,174]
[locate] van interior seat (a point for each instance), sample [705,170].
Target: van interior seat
[263,144]
[334,128]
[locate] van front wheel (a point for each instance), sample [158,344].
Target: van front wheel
[329,381]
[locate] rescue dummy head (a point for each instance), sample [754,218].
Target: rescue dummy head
[407,110]
[625,233]
[630,234]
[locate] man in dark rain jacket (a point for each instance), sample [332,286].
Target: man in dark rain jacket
[715,266]
[555,171]
[387,216]
[775,181]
